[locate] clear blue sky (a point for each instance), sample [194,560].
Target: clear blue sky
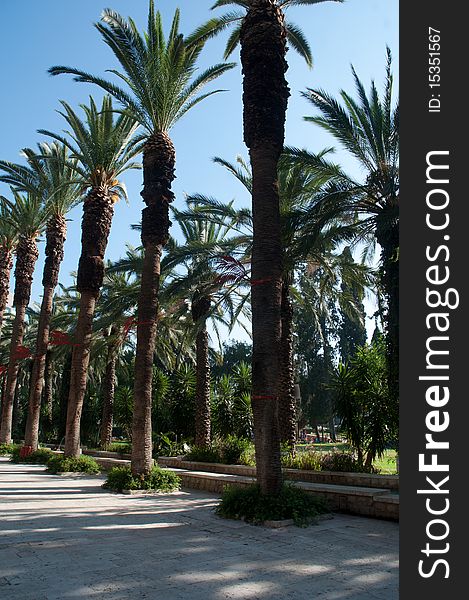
[35,35]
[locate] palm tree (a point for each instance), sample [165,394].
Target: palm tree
[103,147]
[368,128]
[263,36]
[161,87]
[49,173]
[8,240]
[28,215]
[205,240]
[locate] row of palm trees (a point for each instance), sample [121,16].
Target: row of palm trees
[296,217]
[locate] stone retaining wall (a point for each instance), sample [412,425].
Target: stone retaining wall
[389,482]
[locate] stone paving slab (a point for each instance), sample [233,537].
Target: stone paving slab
[66,538]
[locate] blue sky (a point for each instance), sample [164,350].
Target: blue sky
[36,35]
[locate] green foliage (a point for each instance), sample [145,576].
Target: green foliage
[234,352]
[159,480]
[120,448]
[232,448]
[362,400]
[203,454]
[228,451]
[250,504]
[163,445]
[8,449]
[231,406]
[81,464]
[41,456]
[123,409]
[335,460]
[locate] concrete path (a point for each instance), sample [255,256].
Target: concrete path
[63,538]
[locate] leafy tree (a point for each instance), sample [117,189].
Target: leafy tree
[233,352]
[362,400]
[352,331]
[368,128]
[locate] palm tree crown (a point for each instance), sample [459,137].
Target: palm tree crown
[295,36]
[101,145]
[159,73]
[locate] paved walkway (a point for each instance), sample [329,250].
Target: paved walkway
[65,538]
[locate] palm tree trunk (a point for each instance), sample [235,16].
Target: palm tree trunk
[265,96]
[12,376]
[200,309]
[6,262]
[108,401]
[158,174]
[26,257]
[78,376]
[388,238]
[98,210]
[55,239]
[287,404]
[48,391]
[202,393]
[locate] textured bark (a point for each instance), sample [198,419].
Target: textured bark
[6,262]
[98,210]
[287,403]
[78,375]
[26,257]
[48,390]
[108,400]
[265,96]
[200,309]
[388,238]
[12,376]
[56,233]
[158,174]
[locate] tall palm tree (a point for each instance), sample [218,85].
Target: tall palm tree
[8,240]
[49,173]
[204,242]
[29,216]
[368,128]
[160,87]
[103,146]
[263,37]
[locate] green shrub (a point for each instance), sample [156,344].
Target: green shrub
[41,456]
[203,454]
[345,462]
[71,464]
[7,449]
[309,461]
[326,461]
[250,504]
[159,480]
[232,448]
[120,448]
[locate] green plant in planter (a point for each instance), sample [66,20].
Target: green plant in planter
[158,480]
[41,456]
[251,505]
[81,464]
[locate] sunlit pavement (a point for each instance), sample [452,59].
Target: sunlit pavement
[64,538]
